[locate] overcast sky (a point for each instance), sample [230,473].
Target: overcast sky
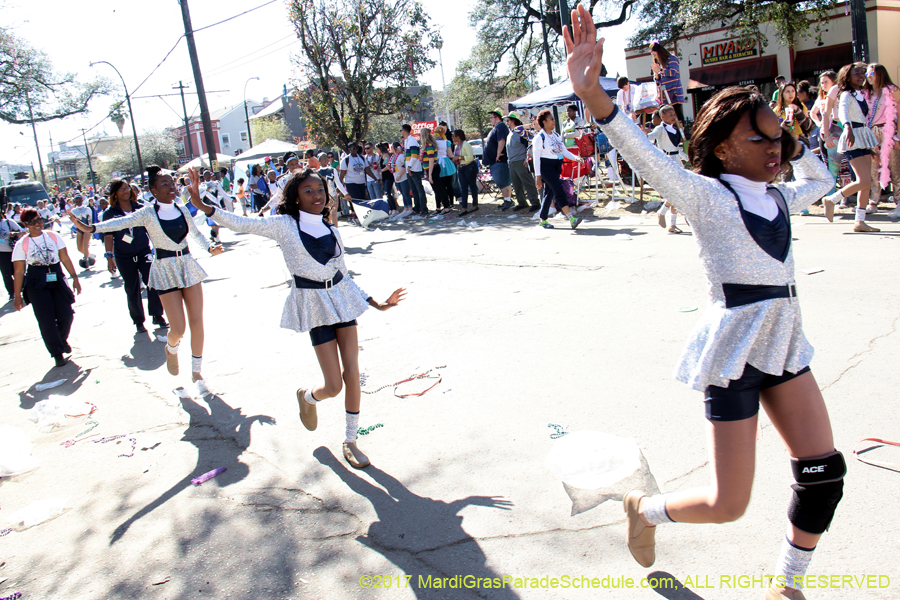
[135,36]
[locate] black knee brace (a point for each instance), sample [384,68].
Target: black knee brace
[819,488]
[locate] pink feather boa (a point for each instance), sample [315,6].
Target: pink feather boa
[888,144]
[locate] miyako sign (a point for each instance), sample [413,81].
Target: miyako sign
[716,52]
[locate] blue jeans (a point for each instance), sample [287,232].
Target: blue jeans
[468,183]
[374,188]
[420,201]
[405,193]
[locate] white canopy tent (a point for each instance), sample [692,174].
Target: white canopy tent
[202,162]
[257,153]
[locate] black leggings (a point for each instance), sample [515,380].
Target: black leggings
[6,268]
[388,184]
[551,170]
[443,188]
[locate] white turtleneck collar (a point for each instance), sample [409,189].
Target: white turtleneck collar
[753,196]
[313,225]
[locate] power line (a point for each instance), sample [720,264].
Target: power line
[214,69]
[235,16]
[169,53]
[253,60]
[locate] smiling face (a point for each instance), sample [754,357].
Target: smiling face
[123,193]
[751,155]
[311,195]
[164,189]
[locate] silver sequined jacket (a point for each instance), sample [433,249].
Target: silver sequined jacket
[304,308]
[768,335]
[176,272]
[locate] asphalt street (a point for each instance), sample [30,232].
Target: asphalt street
[525,327]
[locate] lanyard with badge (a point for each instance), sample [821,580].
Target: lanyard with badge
[43,257]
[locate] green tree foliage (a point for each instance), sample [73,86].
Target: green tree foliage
[270,128]
[157,148]
[27,77]
[510,33]
[791,19]
[359,61]
[385,128]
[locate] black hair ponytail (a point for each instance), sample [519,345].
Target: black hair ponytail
[152,174]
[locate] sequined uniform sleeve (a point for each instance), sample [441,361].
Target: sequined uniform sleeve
[266,227]
[684,189]
[844,107]
[138,218]
[812,180]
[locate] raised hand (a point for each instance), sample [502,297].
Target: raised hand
[585,54]
[395,298]
[194,190]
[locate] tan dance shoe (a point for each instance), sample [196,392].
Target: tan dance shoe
[641,539]
[674,229]
[863,227]
[171,361]
[354,456]
[308,415]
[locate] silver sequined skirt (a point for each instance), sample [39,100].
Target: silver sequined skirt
[305,309]
[767,335]
[175,272]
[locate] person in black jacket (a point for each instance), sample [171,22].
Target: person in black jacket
[128,251]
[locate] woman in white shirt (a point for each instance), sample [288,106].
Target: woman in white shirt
[44,283]
[548,151]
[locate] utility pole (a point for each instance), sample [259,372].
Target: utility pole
[88,154]
[546,45]
[37,147]
[53,161]
[860,30]
[187,127]
[198,81]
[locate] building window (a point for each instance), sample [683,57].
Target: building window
[226,140]
[243,136]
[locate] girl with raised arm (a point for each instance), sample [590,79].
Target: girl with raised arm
[174,274]
[323,299]
[749,347]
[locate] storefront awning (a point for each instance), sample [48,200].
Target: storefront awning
[744,72]
[826,58]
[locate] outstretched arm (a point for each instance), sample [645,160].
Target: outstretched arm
[255,225]
[677,185]
[398,296]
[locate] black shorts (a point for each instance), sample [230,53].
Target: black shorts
[326,333]
[740,399]
[168,291]
[852,154]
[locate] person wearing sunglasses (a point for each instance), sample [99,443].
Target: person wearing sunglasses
[39,280]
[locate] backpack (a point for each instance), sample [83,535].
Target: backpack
[28,238]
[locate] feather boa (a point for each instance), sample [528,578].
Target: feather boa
[889,144]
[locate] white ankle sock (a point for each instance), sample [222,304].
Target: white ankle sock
[793,563]
[672,218]
[172,349]
[860,214]
[664,210]
[352,427]
[309,397]
[196,362]
[655,509]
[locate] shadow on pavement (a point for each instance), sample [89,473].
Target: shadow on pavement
[668,586]
[146,354]
[410,525]
[74,375]
[217,422]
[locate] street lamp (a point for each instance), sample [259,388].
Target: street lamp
[440,44]
[137,146]
[246,114]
